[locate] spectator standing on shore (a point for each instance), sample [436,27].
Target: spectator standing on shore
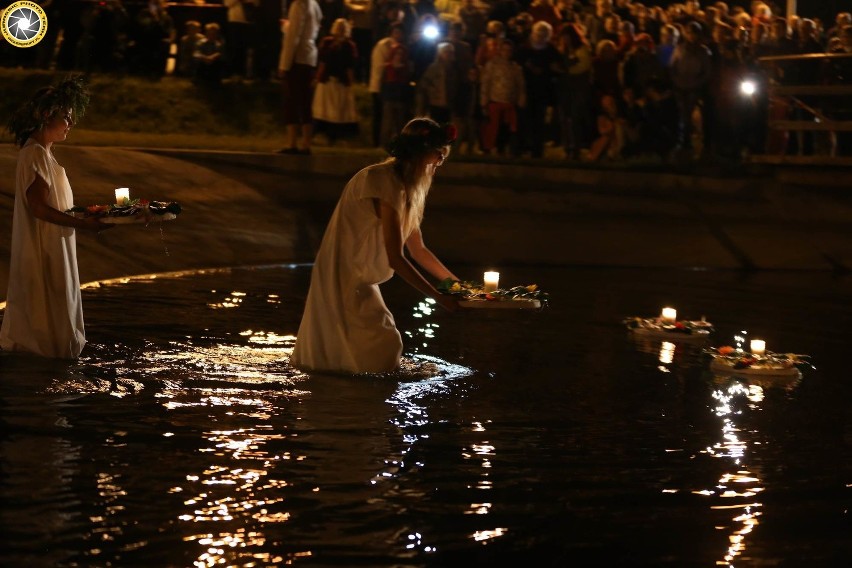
[545,11]
[841,20]
[422,45]
[641,65]
[378,60]
[669,39]
[44,309]
[474,19]
[334,102]
[574,90]
[605,71]
[659,129]
[519,28]
[733,113]
[595,21]
[395,90]
[690,73]
[346,326]
[645,24]
[807,40]
[298,62]
[104,37]
[538,58]
[238,34]
[465,103]
[154,32]
[489,44]
[626,39]
[361,15]
[502,95]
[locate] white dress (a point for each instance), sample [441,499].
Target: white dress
[346,326]
[44,311]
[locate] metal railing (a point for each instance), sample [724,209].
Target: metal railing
[824,107]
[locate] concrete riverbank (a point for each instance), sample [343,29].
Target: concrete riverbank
[252,208]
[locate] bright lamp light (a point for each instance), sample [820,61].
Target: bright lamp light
[748,88]
[430,31]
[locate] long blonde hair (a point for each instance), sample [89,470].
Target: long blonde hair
[411,153]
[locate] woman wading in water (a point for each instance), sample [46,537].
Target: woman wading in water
[346,326]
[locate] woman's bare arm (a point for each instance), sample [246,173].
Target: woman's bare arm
[392,233]
[426,258]
[37,194]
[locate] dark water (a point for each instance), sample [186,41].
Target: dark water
[183,438]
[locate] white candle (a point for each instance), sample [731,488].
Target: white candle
[669,315]
[758,347]
[122,195]
[492,280]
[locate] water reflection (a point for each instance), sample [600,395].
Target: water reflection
[241,491]
[410,400]
[184,438]
[736,490]
[421,337]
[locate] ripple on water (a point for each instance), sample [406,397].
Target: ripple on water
[184,437]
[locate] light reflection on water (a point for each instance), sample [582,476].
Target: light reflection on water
[736,490]
[183,436]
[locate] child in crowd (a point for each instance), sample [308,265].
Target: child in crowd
[502,93]
[186,48]
[209,62]
[438,87]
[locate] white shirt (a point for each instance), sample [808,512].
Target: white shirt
[378,59]
[304,19]
[236,14]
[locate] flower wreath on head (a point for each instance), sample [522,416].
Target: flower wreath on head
[427,137]
[72,93]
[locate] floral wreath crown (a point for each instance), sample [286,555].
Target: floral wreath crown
[427,137]
[71,93]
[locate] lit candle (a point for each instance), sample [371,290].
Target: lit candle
[758,347]
[122,195]
[492,279]
[669,315]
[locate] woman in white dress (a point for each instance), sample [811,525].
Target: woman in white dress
[44,313]
[346,326]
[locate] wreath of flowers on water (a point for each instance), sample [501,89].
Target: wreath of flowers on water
[685,327]
[475,291]
[740,359]
[409,145]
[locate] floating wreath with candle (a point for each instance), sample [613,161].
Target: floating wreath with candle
[475,295]
[728,359]
[669,327]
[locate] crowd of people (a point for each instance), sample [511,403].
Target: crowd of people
[600,79]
